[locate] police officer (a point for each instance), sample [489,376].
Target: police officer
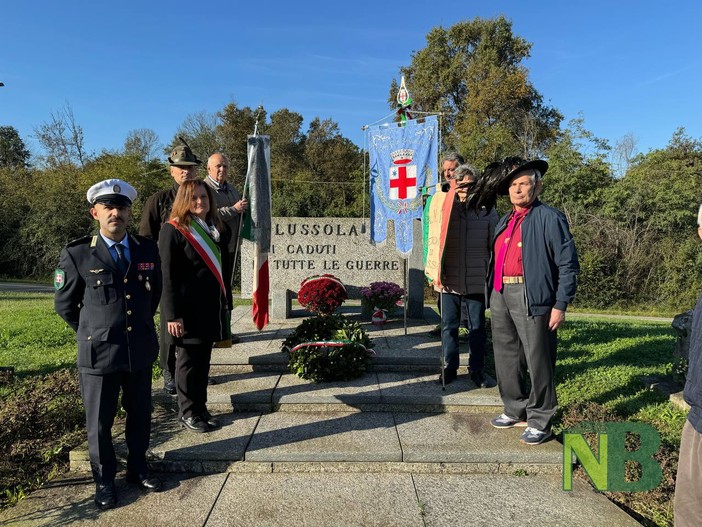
[107,289]
[157,210]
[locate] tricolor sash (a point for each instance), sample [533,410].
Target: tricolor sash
[205,247]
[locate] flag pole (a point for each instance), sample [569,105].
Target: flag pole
[405,280]
[441,321]
[244,194]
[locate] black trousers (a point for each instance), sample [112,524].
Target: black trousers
[166,351]
[191,371]
[100,397]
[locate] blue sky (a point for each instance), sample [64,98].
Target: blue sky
[628,66]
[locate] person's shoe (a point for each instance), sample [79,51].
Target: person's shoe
[481,380]
[436,332]
[146,481]
[212,421]
[235,339]
[194,424]
[534,436]
[168,383]
[449,376]
[105,496]
[463,334]
[504,421]
[211,381]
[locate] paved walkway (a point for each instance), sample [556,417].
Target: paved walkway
[325,499]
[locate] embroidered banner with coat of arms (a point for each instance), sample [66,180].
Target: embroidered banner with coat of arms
[402,161]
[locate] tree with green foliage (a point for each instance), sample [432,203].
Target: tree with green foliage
[473,74]
[13,152]
[578,172]
[234,127]
[653,210]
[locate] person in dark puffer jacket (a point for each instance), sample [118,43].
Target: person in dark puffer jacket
[465,263]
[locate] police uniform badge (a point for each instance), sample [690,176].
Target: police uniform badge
[59,279]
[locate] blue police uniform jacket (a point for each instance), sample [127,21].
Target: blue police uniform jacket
[112,314]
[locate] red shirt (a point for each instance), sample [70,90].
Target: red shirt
[513,265]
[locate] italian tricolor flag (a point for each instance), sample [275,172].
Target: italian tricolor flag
[257,222]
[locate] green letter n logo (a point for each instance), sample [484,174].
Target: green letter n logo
[596,466]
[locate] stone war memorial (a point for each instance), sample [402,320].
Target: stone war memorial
[302,247]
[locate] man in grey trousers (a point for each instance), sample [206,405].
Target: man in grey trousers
[533,279]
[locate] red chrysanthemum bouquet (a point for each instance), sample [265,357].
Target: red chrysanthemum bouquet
[322,294]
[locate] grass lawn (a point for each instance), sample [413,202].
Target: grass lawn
[33,338]
[603,364]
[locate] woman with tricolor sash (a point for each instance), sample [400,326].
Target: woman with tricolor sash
[196,298]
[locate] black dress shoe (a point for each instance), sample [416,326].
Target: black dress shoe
[480,380]
[449,376]
[213,422]
[105,496]
[146,481]
[194,424]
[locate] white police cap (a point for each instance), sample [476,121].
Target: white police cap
[113,192]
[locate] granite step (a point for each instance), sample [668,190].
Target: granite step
[374,392]
[341,442]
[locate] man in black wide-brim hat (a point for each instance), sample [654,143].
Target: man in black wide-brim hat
[533,279]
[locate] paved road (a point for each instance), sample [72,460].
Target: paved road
[25,287]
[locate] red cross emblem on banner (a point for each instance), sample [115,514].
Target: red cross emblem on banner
[403,180]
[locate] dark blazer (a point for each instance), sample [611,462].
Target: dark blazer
[112,314]
[190,289]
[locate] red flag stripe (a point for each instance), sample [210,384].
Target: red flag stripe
[260,296]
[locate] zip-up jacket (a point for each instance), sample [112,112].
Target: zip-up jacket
[549,258]
[468,249]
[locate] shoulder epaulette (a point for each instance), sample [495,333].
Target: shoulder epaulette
[139,239]
[78,241]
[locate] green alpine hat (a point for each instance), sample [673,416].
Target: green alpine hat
[182,156]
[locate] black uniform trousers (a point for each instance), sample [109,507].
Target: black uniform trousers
[192,369]
[166,350]
[100,397]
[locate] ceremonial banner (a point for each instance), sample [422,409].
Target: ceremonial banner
[438,219]
[402,160]
[257,222]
